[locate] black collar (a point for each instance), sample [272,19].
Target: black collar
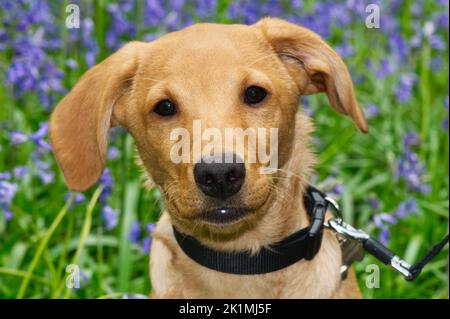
[303,244]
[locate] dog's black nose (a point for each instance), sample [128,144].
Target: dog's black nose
[220,179]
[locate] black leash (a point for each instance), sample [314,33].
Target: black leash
[303,244]
[381,252]
[417,268]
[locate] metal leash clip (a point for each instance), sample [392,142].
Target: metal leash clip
[377,249]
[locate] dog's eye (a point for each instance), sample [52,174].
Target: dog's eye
[165,108]
[254,95]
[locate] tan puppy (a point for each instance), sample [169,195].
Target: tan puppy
[204,71]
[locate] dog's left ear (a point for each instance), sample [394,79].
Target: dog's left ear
[314,65]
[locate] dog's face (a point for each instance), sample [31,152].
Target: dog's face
[222,76]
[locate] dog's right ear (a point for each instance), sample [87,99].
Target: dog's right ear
[79,126]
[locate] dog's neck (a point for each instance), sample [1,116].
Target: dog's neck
[284,212]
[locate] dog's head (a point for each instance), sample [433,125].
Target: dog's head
[205,76]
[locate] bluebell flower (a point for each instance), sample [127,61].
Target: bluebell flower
[398,46]
[17,138]
[176,5]
[32,34]
[437,64]
[150,228]
[135,232]
[88,41]
[338,189]
[8,191]
[46,177]
[383,219]
[385,235]
[154,12]
[107,182]
[444,124]
[120,24]
[110,217]
[113,153]
[5,175]
[374,203]
[20,171]
[146,244]
[37,137]
[411,139]
[371,110]
[406,208]
[79,198]
[443,20]
[403,91]
[436,42]
[385,68]
[296,4]
[409,168]
[205,8]
[71,64]
[345,49]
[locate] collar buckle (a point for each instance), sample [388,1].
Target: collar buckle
[318,211]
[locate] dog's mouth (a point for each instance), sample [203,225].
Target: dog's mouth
[224,215]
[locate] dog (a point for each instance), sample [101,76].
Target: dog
[226,76]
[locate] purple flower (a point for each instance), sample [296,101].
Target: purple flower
[146,244]
[150,228]
[147,241]
[135,232]
[385,236]
[383,219]
[5,175]
[409,168]
[30,35]
[436,42]
[110,217]
[38,137]
[444,124]
[437,64]
[406,208]
[7,193]
[398,47]
[20,171]
[107,182]
[338,189]
[154,12]
[79,199]
[113,153]
[46,177]
[206,8]
[385,69]
[411,139]
[373,203]
[120,26]
[17,138]
[371,110]
[71,64]
[403,90]
[345,50]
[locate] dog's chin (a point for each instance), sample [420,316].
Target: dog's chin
[225,216]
